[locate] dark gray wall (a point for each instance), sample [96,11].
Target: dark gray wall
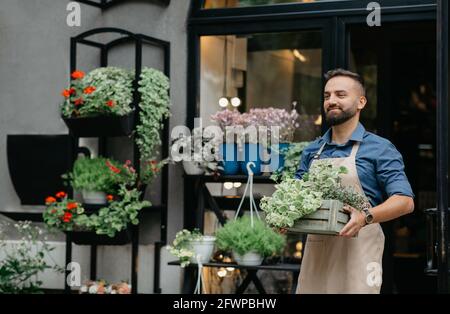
[34,68]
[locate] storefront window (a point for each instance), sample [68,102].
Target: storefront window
[214,4]
[277,70]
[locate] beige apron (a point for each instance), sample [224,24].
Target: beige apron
[335,264]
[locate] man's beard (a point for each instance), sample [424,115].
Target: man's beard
[340,118]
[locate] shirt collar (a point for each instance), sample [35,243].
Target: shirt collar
[357,135]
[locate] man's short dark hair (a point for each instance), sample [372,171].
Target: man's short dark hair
[341,72]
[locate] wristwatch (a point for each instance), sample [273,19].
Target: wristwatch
[369,216]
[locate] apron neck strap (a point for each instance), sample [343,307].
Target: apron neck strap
[354,150]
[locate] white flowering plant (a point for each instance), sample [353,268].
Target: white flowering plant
[294,199]
[181,247]
[22,262]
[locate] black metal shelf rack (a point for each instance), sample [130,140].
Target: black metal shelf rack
[105,4]
[97,130]
[198,199]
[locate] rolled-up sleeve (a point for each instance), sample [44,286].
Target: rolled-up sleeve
[390,171]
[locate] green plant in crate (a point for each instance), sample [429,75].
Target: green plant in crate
[292,156]
[239,236]
[294,199]
[181,245]
[21,262]
[98,174]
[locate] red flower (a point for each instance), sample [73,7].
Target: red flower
[89,89]
[72,205]
[67,217]
[110,103]
[61,194]
[49,200]
[53,211]
[77,75]
[78,101]
[113,169]
[110,198]
[67,92]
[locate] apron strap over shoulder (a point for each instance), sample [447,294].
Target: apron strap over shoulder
[354,150]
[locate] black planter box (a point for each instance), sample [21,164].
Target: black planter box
[101,126]
[90,237]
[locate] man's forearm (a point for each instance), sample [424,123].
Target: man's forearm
[394,207]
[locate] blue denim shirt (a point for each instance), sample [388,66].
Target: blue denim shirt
[378,163]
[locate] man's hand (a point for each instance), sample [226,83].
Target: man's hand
[356,222]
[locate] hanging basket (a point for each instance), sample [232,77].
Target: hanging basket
[101,126]
[329,219]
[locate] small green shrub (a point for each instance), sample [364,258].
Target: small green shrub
[239,236]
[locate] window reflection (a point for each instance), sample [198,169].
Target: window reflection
[264,70]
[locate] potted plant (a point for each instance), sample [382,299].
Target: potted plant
[192,247]
[101,97]
[249,241]
[312,204]
[107,222]
[196,152]
[228,150]
[97,177]
[100,103]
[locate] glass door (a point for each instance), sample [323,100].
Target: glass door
[398,64]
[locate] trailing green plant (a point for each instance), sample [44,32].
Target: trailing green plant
[239,236]
[21,262]
[154,105]
[118,214]
[294,199]
[181,247]
[292,156]
[98,174]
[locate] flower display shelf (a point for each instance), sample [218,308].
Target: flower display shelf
[111,126]
[329,219]
[102,127]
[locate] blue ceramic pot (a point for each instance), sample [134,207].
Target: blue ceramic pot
[229,160]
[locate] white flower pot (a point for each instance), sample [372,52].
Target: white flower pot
[248,259]
[192,168]
[203,248]
[94,197]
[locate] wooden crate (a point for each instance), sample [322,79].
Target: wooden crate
[329,219]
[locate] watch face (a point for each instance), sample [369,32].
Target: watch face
[369,218]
